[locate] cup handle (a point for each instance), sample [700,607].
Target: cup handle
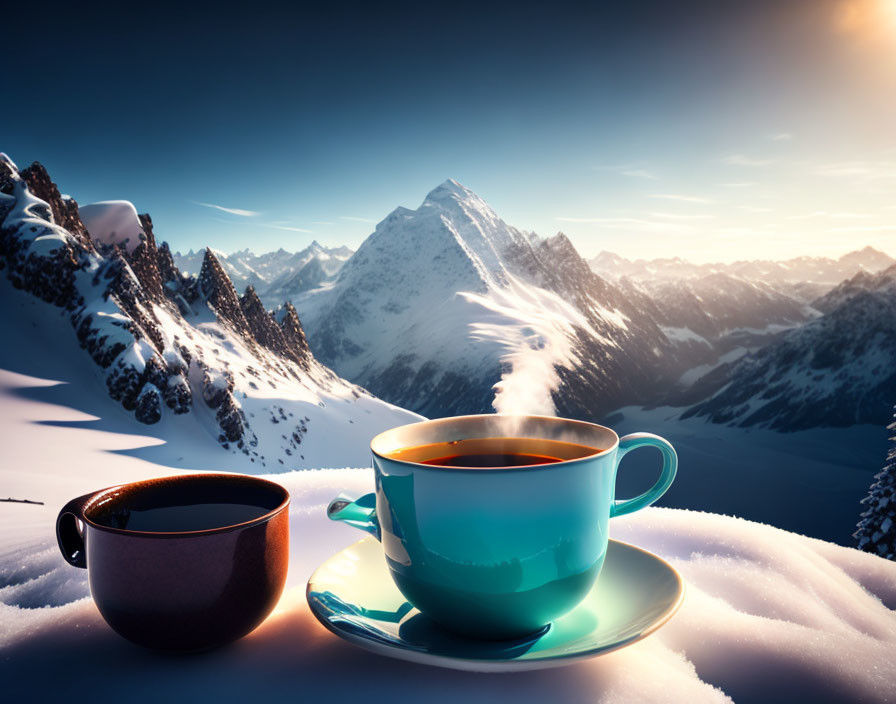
[68,533]
[670,467]
[360,513]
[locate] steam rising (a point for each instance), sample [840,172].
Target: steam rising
[537,329]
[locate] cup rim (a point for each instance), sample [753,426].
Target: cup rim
[97,496]
[512,468]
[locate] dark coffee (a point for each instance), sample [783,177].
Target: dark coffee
[494,453]
[185,506]
[174,519]
[499,460]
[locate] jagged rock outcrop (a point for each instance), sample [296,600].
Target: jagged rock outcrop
[149,404]
[132,295]
[47,251]
[151,330]
[269,334]
[65,210]
[289,322]
[215,287]
[168,272]
[145,263]
[41,256]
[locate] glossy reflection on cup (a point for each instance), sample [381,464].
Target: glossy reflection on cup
[497,552]
[181,563]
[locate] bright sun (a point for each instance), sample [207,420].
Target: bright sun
[867,17]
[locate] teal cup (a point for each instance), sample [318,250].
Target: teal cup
[498,553]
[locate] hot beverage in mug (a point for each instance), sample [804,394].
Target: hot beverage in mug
[495,525]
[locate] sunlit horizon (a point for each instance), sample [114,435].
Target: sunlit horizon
[707,131]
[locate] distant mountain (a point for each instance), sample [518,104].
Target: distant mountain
[713,305]
[803,277]
[835,370]
[723,312]
[291,284]
[168,344]
[274,275]
[447,309]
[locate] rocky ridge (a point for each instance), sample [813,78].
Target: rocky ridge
[139,317]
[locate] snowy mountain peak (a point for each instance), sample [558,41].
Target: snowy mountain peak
[456,200]
[868,258]
[450,189]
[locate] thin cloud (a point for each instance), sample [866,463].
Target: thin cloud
[754,209]
[641,173]
[781,137]
[683,216]
[286,227]
[638,224]
[866,228]
[233,211]
[744,160]
[321,222]
[739,184]
[632,169]
[680,198]
[355,219]
[835,215]
[867,170]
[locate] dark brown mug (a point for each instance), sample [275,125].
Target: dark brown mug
[181,563]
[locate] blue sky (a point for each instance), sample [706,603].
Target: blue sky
[709,130]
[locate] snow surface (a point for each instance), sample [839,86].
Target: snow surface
[113,222]
[768,615]
[338,421]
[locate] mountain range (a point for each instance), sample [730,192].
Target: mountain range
[805,278]
[276,276]
[835,370]
[447,309]
[171,347]
[444,309]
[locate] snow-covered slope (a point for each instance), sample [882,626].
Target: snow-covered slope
[443,306]
[835,370]
[714,305]
[275,275]
[167,346]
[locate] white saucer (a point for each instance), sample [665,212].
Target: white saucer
[353,595]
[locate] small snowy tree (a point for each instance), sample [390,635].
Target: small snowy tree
[877,526]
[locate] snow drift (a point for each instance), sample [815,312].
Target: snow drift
[113,222]
[768,616]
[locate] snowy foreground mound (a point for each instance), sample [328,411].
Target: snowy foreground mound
[768,616]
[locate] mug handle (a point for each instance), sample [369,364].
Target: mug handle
[670,467]
[360,513]
[69,535]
